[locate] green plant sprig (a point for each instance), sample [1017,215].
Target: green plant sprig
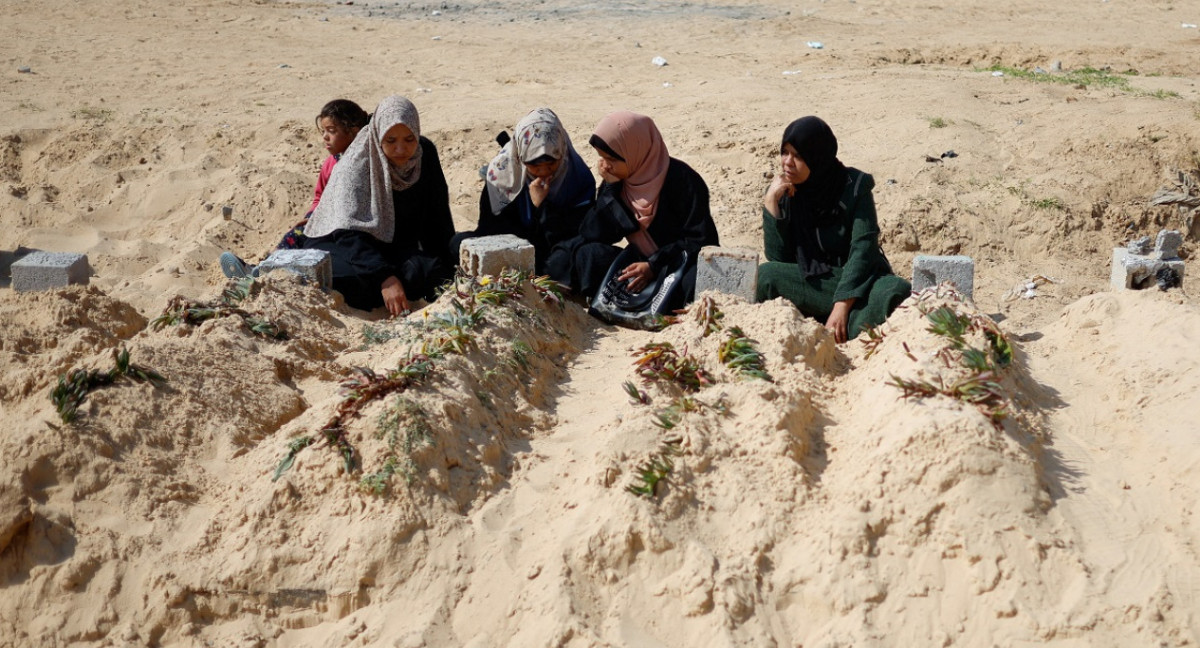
[739,354]
[636,396]
[72,388]
[659,361]
[708,315]
[980,387]
[873,339]
[181,310]
[655,470]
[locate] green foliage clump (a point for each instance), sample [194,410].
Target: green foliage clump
[739,354]
[181,310]
[654,471]
[659,361]
[980,387]
[73,387]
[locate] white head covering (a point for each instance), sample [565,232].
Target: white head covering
[538,133]
[359,193]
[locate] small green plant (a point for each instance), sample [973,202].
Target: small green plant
[655,470]
[670,416]
[1049,203]
[519,355]
[456,328]
[980,386]
[708,315]
[373,335]
[659,361]
[636,396]
[181,310]
[939,122]
[377,483]
[92,113]
[1086,76]
[874,338]
[549,290]
[73,387]
[294,448]
[1162,94]
[739,354]
[405,426]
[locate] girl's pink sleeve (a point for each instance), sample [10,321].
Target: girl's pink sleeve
[322,179]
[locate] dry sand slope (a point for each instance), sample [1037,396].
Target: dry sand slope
[487,500]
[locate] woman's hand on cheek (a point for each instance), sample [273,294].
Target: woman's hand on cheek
[539,188]
[779,188]
[394,297]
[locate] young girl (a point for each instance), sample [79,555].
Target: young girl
[339,122]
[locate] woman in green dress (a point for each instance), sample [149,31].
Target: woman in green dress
[822,238]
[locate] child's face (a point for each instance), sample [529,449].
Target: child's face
[399,144]
[542,169]
[336,138]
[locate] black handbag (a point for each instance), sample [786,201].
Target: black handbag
[644,309]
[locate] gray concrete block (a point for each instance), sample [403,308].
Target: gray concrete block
[316,266]
[1139,246]
[930,271]
[490,255]
[733,271]
[1135,271]
[45,270]
[1166,246]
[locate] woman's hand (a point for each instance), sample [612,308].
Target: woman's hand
[838,319]
[780,187]
[637,275]
[606,176]
[539,188]
[394,297]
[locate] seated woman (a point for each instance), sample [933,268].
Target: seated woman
[822,238]
[656,202]
[537,188]
[385,214]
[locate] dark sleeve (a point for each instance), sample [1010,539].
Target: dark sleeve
[685,196]
[437,226]
[609,220]
[489,223]
[561,222]
[779,243]
[862,260]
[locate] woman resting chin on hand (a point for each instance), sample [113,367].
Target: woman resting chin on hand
[821,237]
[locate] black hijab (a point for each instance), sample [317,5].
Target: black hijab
[816,201]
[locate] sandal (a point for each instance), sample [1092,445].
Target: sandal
[235,268]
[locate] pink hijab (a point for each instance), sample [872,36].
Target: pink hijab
[636,139]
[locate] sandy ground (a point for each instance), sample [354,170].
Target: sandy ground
[819,509]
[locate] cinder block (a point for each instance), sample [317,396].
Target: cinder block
[45,270]
[932,270]
[316,266]
[489,255]
[1166,246]
[1135,271]
[733,271]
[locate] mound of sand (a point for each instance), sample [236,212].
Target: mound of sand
[478,474]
